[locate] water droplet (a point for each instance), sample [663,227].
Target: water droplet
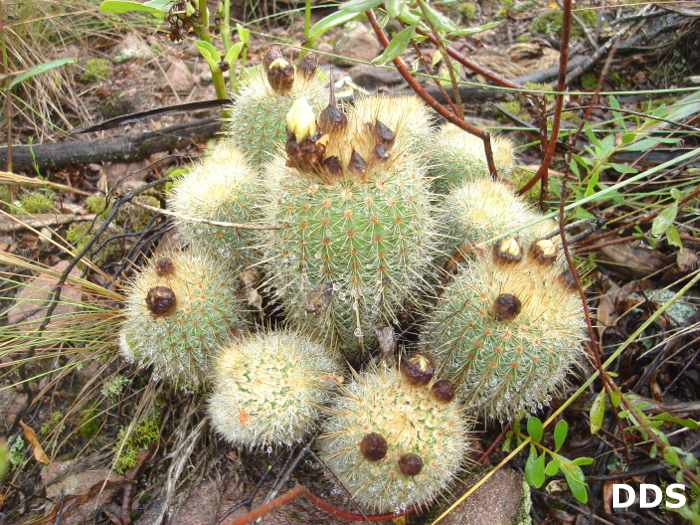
[358,332]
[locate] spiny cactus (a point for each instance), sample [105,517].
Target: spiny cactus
[222,188]
[357,232]
[268,388]
[458,157]
[395,439]
[507,329]
[178,309]
[482,209]
[257,119]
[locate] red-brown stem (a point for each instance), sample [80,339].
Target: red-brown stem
[422,93]
[543,172]
[493,445]
[349,515]
[268,507]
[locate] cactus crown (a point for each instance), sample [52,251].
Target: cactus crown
[374,135]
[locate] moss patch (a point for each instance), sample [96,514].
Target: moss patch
[144,432]
[96,69]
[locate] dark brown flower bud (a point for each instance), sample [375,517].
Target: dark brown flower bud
[508,250]
[381,152]
[320,298]
[544,250]
[308,154]
[357,163]
[164,267]
[332,166]
[443,391]
[506,307]
[161,300]
[332,119]
[383,134]
[373,447]
[223,65]
[418,369]
[410,464]
[307,67]
[280,75]
[273,54]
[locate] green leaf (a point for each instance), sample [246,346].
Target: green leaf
[597,412]
[359,6]
[157,9]
[437,19]
[648,143]
[614,398]
[336,19]
[210,49]
[396,46]
[233,53]
[473,30]
[534,468]
[560,431]
[576,480]
[409,16]
[243,33]
[205,49]
[673,238]
[592,183]
[671,456]
[41,68]
[687,423]
[552,468]
[623,414]
[627,138]
[621,168]
[591,136]
[582,461]
[393,7]
[664,220]
[534,429]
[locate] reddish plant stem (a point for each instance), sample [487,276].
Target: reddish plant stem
[493,445]
[543,173]
[485,136]
[498,79]
[301,490]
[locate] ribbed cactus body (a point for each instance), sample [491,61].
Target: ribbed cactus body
[257,120]
[508,332]
[221,188]
[354,244]
[482,209]
[268,388]
[177,311]
[458,157]
[391,444]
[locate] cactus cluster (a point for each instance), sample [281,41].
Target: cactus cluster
[396,439]
[268,388]
[179,308]
[357,231]
[508,328]
[356,207]
[223,188]
[458,157]
[257,121]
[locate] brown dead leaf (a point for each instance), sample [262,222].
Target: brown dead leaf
[39,453]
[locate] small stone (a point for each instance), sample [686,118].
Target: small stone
[357,44]
[131,47]
[177,78]
[371,77]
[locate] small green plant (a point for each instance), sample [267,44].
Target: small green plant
[144,432]
[48,426]
[114,386]
[16,453]
[97,204]
[37,202]
[193,15]
[537,467]
[96,69]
